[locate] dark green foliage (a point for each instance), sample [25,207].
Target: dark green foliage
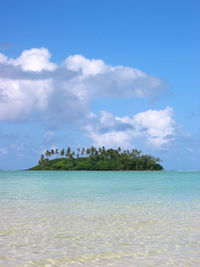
[98,159]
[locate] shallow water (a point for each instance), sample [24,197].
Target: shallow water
[99,218]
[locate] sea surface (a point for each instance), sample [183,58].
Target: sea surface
[99,218]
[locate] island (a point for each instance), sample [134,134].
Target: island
[100,159]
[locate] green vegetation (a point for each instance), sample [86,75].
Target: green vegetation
[97,159]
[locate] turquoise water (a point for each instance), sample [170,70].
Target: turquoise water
[99,218]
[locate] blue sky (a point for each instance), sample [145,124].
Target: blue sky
[108,73]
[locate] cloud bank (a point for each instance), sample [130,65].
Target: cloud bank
[156,128]
[33,85]
[33,88]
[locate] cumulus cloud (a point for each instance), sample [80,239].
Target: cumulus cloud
[101,79]
[32,85]
[18,98]
[156,127]
[36,59]
[86,66]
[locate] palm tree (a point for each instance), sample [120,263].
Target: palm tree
[68,152]
[88,151]
[52,152]
[62,152]
[100,150]
[47,154]
[93,149]
[78,154]
[103,153]
[41,161]
[71,155]
[83,151]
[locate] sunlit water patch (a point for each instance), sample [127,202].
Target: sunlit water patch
[100,219]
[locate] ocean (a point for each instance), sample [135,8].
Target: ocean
[80,218]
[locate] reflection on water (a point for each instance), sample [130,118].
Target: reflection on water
[45,222]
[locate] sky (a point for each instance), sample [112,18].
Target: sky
[89,72]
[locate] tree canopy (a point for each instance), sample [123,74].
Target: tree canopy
[97,160]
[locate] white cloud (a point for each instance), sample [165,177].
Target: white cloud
[35,59]
[18,98]
[101,79]
[32,85]
[86,66]
[155,127]
[159,125]
[3,58]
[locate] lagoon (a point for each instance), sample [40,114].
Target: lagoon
[82,218]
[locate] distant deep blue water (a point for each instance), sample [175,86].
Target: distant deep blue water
[99,218]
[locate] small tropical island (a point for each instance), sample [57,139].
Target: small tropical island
[100,159]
